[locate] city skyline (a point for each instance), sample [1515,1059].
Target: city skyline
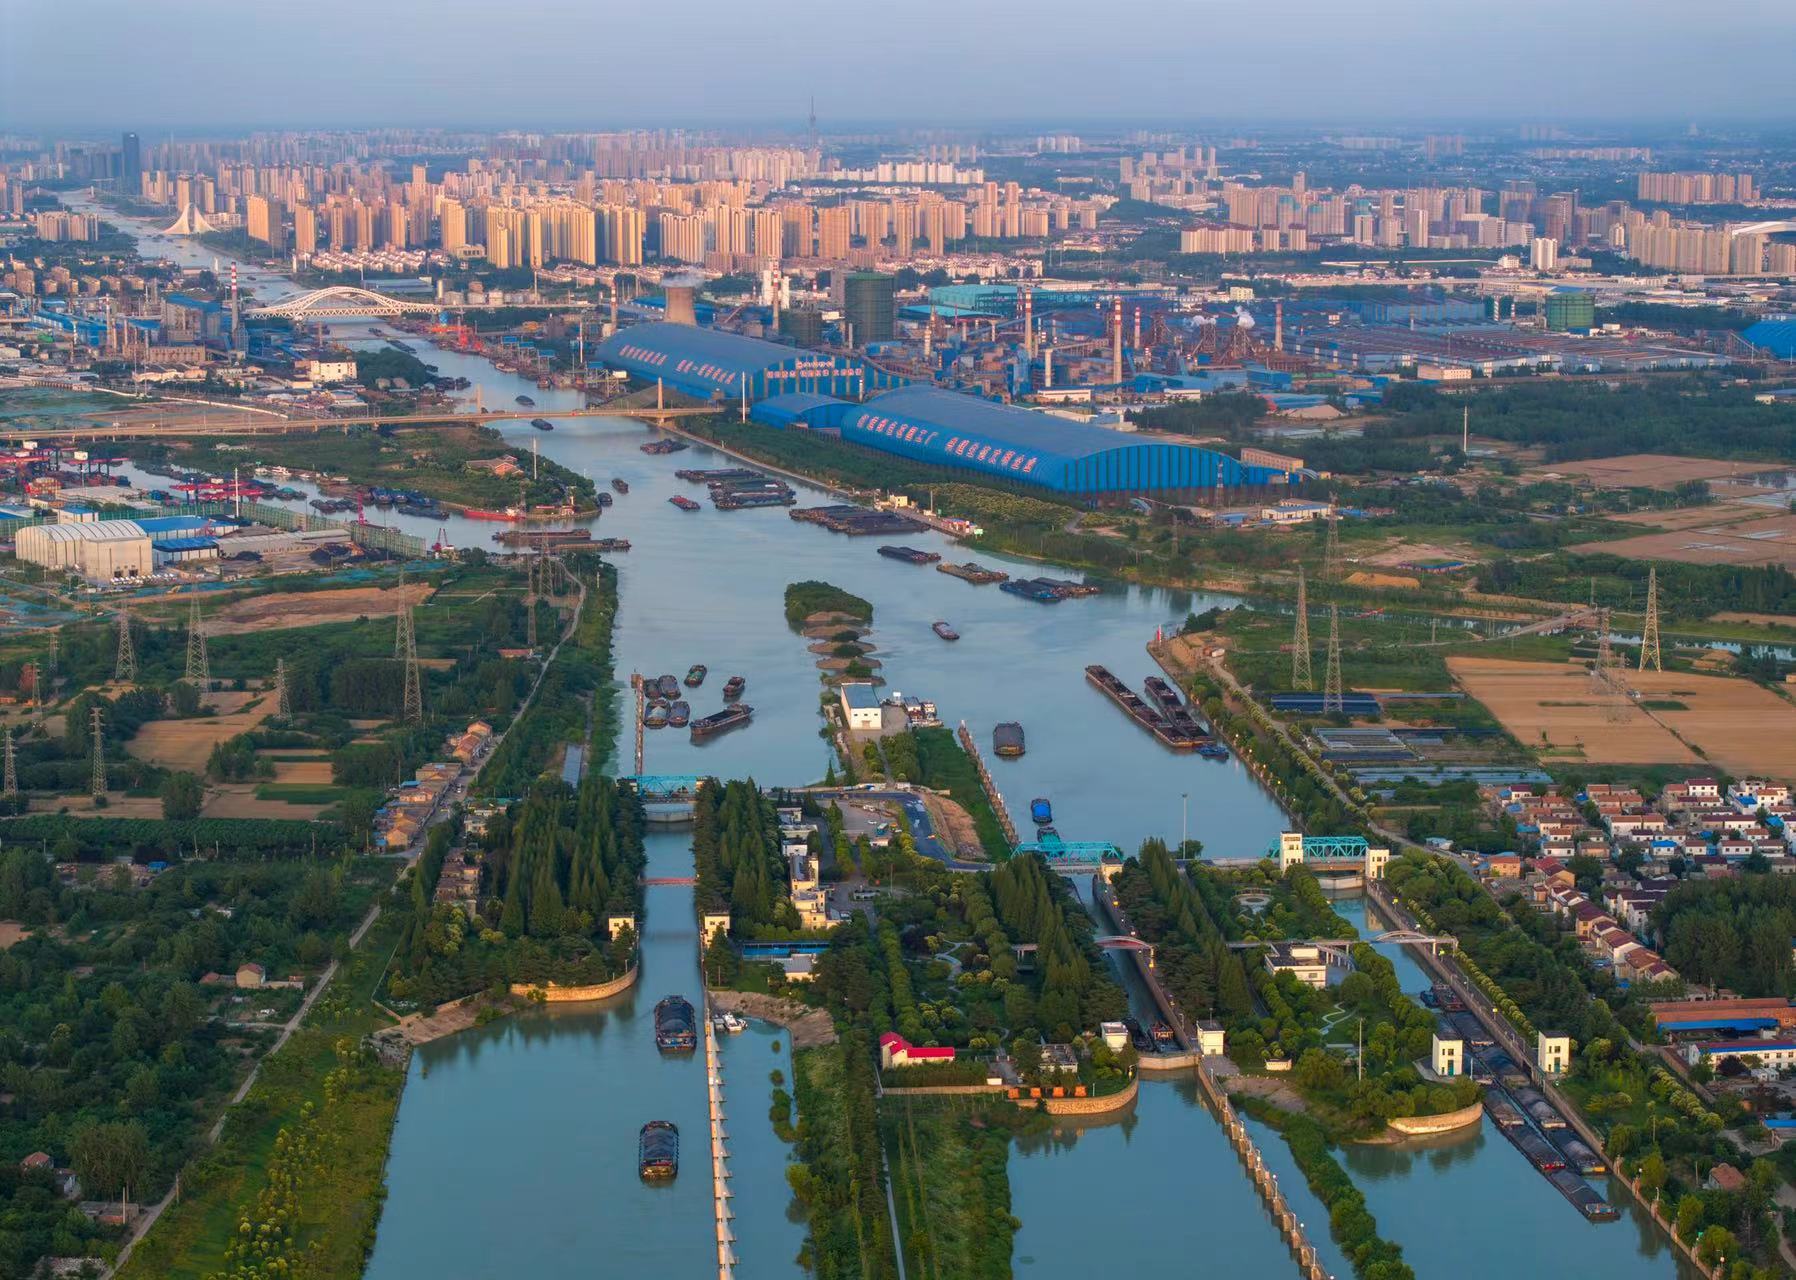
[224,66]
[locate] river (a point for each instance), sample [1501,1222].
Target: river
[515,1145]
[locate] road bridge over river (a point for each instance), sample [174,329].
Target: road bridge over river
[186,422]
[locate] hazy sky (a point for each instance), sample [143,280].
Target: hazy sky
[161,64]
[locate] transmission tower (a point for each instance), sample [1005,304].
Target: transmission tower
[37,691]
[11,785]
[414,689]
[1331,687]
[1331,552]
[99,749]
[52,664]
[530,603]
[198,669]
[126,667]
[1301,677]
[283,705]
[1649,640]
[402,620]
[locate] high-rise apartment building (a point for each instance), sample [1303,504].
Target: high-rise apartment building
[264,221]
[130,166]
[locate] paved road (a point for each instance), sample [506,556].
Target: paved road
[922,830]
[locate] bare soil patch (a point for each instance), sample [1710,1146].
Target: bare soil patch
[1760,541]
[238,800]
[1648,470]
[186,744]
[955,825]
[313,608]
[1378,580]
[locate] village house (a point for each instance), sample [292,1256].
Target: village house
[896,1051]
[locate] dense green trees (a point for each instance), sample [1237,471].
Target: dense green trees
[1732,933]
[736,853]
[1076,991]
[1190,933]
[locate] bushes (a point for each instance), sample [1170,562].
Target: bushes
[811,596]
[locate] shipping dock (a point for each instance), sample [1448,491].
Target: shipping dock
[977,574]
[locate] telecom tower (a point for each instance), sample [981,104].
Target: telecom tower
[1301,677]
[283,705]
[99,749]
[414,690]
[1331,687]
[126,667]
[1649,640]
[198,669]
[11,785]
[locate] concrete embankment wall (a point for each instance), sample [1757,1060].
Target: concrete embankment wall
[1165,1064]
[552,994]
[1094,1106]
[1446,1122]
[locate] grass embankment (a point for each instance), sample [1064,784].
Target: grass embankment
[943,765]
[577,703]
[811,596]
[951,1184]
[1349,1221]
[433,459]
[838,1179]
[304,1154]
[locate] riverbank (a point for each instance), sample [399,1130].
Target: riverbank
[809,1028]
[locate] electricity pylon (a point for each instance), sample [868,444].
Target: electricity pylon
[530,603]
[11,786]
[1331,687]
[99,751]
[198,669]
[1301,676]
[126,666]
[414,690]
[401,621]
[1331,551]
[1649,640]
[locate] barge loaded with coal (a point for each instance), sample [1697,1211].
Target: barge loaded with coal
[1169,718]
[977,574]
[658,1151]
[729,718]
[676,1028]
[910,555]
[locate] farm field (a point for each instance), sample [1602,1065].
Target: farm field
[187,744]
[1552,708]
[1760,536]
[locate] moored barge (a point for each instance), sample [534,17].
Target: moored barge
[977,574]
[1007,739]
[676,1027]
[731,716]
[910,555]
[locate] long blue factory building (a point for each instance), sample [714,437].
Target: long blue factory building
[790,387]
[949,429]
[711,364]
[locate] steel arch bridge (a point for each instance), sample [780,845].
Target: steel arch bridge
[342,300]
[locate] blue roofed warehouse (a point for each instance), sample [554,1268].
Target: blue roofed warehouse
[708,364]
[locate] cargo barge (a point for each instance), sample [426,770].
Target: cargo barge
[729,718]
[1140,712]
[910,555]
[676,1029]
[656,448]
[683,503]
[541,537]
[746,500]
[856,522]
[695,675]
[620,484]
[666,686]
[1176,711]
[1030,589]
[977,574]
[542,424]
[733,687]
[1007,739]
[679,715]
[658,1151]
[945,631]
[726,475]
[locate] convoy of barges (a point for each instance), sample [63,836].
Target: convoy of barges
[663,708]
[1168,717]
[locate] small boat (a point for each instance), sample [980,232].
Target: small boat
[1041,813]
[729,1023]
[667,686]
[658,1151]
[733,687]
[655,716]
[619,484]
[945,631]
[1047,833]
[684,503]
[604,499]
[675,1025]
[1162,1034]
[1213,751]
[695,675]
[542,424]
[679,715]
[527,402]
[1143,1042]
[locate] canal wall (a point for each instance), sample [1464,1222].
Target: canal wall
[992,793]
[550,993]
[1446,1122]
[1166,1064]
[1094,1106]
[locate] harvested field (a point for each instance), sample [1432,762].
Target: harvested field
[1738,726]
[1761,541]
[282,610]
[186,744]
[1403,552]
[1756,619]
[309,772]
[118,805]
[1382,580]
[1648,470]
[238,800]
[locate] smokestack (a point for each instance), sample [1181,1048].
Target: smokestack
[1116,341]
[1047,369]
[1137,328]
[1028,320]
[1278,326]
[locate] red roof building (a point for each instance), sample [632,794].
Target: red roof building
[896,1051]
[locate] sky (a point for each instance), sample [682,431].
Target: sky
[105,65]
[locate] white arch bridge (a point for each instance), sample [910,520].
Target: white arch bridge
[339,301]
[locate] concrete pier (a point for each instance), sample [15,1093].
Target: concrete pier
[719,1139]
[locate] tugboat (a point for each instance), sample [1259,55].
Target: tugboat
[695,675]
[945,631]
[542,424]
[658,1151]
[679,715]
[619,484]
[684,503]
[655,717]
[733,687]
[668,687]
[675,1026]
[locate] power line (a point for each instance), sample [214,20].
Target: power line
[198,668]
[1649,640]
[125,669]
[1331,688]
[1301,676]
